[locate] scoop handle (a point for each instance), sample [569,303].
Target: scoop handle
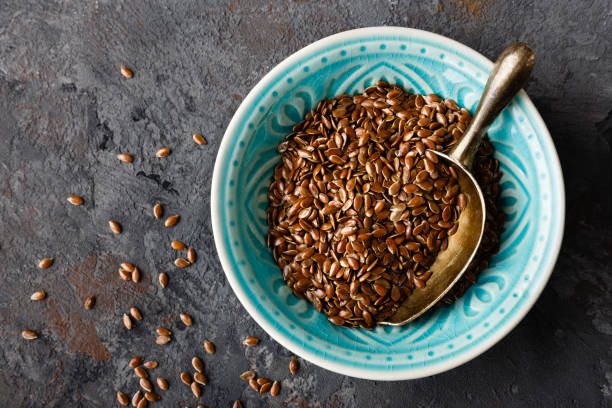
[508,76]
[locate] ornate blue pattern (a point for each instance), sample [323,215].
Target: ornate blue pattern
[532,196]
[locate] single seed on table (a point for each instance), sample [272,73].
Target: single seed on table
[200,378]
[126,72]
[151,396]
[158,210]
[125,275]
[294,366]
[89,302]
[136,398]
[163,279]
[29,334]
[172,220]
[181,262]
[38,295]
[186,319]
[115,227]
[162,383]
[135,313]
[75,199]
[195,389]
[248,375]
[253,384]
[163,152]
[151,364]
[178,245]
[265,388]
[250,341]
[135,361]
[209,347]
[237,404]
[161,340]
[142,403]
[136,275]
[145,384]
[141,372]
[197,364]
[126,158]
[127,266]
[127,322]
[162,331]
[45,263]
[199,139]
[262,381]
[186,378]
[275,389]
[122,398]
[191,255]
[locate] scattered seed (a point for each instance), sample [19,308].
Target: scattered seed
[162,383]
[237,404]
[126,158]
[45,263]
[265,388]
[162,331]
[151,364]
[209,347]
[29,334]
[163,152]
[275,389]
[197,364]
[178,245]
[161,340]
[125,275]
[294,366]
[199,139]
[135,313]
[89,302]
[262,381]
[195,389]
[152,397]
[250,341]
[186,319]
[253,384]
[136,275]
[163,279]
[181,262]
[135,361]
[142,403]
[127,322]
[115,227]
[38,295]
[136,398]
[172,220]
[122,398]
[248,375]
[75,199]
[186,378]
[127,266]
[200,378]
[146,384]
[158,210]
[126,72]
[141,372]
[191,255]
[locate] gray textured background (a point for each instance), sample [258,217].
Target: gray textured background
[65,112]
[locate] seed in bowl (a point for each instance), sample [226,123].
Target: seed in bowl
[358,208]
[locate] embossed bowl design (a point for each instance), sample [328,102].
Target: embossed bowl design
[532,197]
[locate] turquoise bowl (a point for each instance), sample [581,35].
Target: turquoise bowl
[532,197]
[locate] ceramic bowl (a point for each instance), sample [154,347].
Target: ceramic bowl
[532,197]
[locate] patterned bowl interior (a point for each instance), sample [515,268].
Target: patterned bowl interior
[532,197]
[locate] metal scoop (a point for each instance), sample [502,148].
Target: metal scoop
[508,76]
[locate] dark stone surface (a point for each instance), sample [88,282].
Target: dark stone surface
[65,112]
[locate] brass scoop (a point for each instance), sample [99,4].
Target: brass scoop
[508,76]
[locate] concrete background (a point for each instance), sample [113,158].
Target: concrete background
[65,112]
